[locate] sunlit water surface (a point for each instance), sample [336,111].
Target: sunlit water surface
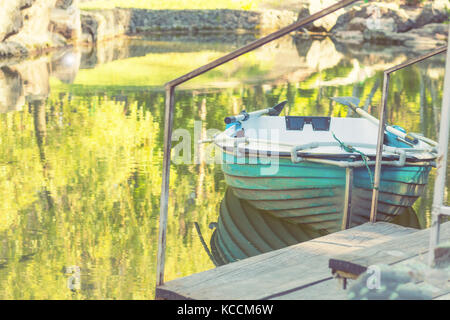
[81,135]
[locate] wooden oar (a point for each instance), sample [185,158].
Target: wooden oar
[353,103]
[243,116]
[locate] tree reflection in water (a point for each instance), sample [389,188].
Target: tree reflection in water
[81,150]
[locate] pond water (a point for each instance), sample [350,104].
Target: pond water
[81,135]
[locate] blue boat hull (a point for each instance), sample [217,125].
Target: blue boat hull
[313,194]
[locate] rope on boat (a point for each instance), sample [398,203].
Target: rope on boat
[364,157]
[205,246]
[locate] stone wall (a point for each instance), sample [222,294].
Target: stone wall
[349,24]
[104,24]
[98,25]
[28,26]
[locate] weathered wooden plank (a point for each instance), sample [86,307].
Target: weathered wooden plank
[443,297]
[331,290]
[279,271]
[326,290]
[389,252]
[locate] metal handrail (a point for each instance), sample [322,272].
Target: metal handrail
[441,163]
[382,122]
[169,111]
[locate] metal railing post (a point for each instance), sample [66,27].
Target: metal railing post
[382,125]
[380,142]
[347,215]
[441,162]
[164,204]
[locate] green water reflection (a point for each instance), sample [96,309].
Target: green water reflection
[81,150]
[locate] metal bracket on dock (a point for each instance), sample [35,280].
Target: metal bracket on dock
[343,277]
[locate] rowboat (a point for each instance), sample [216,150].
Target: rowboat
[295,167]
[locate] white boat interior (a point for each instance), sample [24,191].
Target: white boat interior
[317,137]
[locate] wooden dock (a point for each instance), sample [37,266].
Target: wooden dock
[303,271]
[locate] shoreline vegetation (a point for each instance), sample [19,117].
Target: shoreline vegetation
[413,23]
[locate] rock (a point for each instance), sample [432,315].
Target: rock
[66,22]
[386,37]
[428,37]
[432,30]
[64,4]
[350,36]
[58,40]
[271,20]
[404,19]
[329,21]
[324,24]
[303,12]
[89,26]
[382,24]
[356,11]
[357,23]
[382,30]
[99,25]
[10,19]
[430,14]
[403,26]
[26,3]
[10,49]
[25,25]
[34,32]
[389,24]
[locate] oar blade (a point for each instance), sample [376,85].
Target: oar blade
[276,110]
[352,102]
